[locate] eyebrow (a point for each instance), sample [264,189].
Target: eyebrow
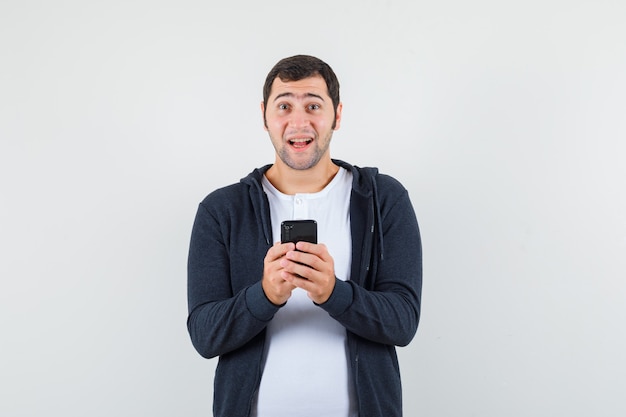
[293,95]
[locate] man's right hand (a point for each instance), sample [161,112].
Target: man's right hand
[276,289]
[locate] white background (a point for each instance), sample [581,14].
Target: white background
[505,120]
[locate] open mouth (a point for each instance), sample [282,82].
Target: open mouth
[300,142]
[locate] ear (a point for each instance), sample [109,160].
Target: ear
[263,115]
[338,116]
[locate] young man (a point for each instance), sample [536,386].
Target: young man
[305,329]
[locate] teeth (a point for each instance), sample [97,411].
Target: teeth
[300,143]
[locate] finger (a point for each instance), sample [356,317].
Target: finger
[299,270]
[318,249]
[297,280]
[306,246]
[278,250]
[312,261]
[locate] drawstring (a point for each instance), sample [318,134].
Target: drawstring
[377,218]
[266,231]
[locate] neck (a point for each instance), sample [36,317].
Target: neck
[292,181]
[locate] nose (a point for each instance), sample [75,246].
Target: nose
[299,118]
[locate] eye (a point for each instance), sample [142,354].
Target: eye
[314,106]
[283,106]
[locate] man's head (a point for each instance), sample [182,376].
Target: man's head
[299,67]
[301,110]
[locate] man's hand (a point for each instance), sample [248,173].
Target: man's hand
[311,268]
[276,288]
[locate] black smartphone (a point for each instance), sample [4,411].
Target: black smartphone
[298,231]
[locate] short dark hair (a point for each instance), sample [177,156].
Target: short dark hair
[299,67]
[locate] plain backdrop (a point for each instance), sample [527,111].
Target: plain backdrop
[505,120]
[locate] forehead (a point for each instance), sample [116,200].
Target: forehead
[305,87]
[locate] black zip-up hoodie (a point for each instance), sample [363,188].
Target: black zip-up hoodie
[379,305]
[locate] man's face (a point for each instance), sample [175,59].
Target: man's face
[300,119]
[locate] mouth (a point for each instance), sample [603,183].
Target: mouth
[300,143]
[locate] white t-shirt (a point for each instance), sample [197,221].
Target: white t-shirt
[306,372]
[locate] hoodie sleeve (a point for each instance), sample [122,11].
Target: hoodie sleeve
[227,305]
[383,305]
